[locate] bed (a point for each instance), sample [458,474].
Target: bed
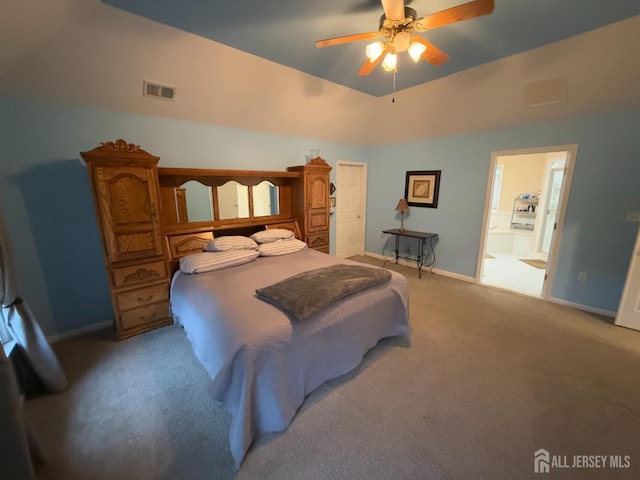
[261,363]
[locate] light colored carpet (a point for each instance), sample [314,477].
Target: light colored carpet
[486,378]
[534,262]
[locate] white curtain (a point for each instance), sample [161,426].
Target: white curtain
[20,324]
[18,441]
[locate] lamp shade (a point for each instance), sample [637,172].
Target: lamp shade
[374,50]
[390,61]
[402,205]
[415,50]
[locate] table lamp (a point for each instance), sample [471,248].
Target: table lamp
[402,207]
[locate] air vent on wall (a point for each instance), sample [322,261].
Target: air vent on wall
[546,92]
[156,90]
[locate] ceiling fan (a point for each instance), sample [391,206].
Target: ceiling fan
[398,25]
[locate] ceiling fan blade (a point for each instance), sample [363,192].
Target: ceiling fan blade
[346,39]
[393,9]
[451,15]
[369,65]
[432,54]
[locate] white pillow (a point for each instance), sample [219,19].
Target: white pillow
[230,242]
[281,247]
[266,236]
[207,261]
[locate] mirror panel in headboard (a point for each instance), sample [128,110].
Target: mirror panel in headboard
[224,197]
[266,199]
[196,204]
[233,200]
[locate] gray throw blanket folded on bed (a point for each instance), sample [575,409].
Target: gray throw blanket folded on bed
[301,296]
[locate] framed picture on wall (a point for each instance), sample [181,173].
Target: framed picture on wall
[422,187]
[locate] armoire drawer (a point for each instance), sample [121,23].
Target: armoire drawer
[143,315]
[142,296]
[140,273]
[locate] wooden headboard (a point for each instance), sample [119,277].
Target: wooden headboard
[187,237]
[180,244]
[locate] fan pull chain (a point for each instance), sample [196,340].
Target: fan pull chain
[393,99]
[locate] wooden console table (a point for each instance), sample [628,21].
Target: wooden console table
[421,237]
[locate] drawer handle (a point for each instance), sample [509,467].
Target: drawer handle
[149,317]
[140,299]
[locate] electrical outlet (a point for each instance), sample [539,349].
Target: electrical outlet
[582,276]
[633,217]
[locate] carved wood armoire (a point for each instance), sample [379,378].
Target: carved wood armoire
[124,181]
[311,202]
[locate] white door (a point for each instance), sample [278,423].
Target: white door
[351,181]
[629,309]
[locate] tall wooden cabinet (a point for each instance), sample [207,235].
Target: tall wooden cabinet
[310,202]
[124,181]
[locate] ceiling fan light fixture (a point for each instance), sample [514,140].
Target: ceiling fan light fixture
[374,50]
[401,41]
[397,25]
[416,49]
[390,61]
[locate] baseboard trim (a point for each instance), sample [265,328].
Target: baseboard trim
[78,331]
[412,264]
[457,276]
[586,308]
[464,278]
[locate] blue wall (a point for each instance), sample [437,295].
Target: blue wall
[46,200]
[596,237]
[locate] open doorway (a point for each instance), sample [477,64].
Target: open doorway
[526,197]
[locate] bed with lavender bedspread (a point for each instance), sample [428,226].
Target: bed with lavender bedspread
[261,363]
